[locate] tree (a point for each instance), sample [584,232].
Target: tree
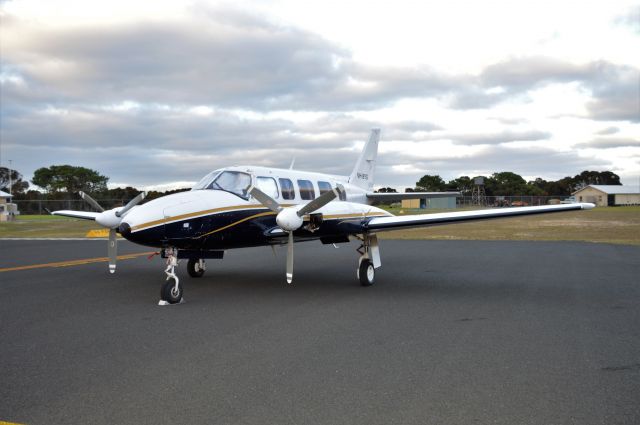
[68,178]
[462,184]
[431,183]
[595,177]
[386,190]
[505,183]
[17,185]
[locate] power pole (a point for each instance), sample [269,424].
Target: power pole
[10,177]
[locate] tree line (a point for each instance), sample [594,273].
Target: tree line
[507,183]
[63,181]
[60,181]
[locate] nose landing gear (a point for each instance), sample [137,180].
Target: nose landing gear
[171,292]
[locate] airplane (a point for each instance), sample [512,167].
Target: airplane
[249,206]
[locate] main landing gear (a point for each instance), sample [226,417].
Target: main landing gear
[369,259]
[196,267]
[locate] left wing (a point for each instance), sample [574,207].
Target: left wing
[85,215]
[377,224]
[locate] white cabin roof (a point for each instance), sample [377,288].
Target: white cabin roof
[5,195]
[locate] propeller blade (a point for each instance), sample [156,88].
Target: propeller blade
[321,201]
[290,258]
[113,250]
[89,200]
[265,199]
[132,203]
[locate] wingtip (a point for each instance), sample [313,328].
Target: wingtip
[587,206]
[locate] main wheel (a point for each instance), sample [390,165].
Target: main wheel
[169,294]
[366,273]
[194,268]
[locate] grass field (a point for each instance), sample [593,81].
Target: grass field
[620,225]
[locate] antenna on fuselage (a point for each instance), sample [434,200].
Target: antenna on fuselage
[293,161]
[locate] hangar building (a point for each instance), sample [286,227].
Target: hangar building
[608,195]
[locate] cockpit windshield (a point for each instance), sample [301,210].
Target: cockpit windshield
[206,180]
[230,181]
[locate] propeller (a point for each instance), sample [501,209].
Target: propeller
[291,218]
[111,219]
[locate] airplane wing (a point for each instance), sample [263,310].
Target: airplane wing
[377,224]
[394,197]
[85,215]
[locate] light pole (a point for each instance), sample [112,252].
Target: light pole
[9,177]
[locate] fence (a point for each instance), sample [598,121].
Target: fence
[512,201]
[40,206]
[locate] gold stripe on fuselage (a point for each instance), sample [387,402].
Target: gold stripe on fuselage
[235,223]
[235,208]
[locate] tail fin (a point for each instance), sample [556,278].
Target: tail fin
[364,171]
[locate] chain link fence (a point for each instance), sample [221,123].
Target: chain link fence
[513,201]
[42,206]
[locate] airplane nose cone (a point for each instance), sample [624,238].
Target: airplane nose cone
[124,229]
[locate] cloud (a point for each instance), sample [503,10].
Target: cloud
[530,162]
[608,131]
[616,93]
[147,101]
[609,143]
[499,138]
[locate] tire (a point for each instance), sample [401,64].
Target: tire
[193,268]
[366,273]
[168,294]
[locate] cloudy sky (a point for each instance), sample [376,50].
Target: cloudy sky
[159,93]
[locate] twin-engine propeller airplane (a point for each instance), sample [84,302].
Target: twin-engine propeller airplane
[247,206]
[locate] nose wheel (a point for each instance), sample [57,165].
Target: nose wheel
[171,292]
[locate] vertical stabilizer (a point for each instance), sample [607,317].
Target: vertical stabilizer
[364,171]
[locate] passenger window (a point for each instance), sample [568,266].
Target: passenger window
[286,186]
[268,186]
[324,187]
[306,190]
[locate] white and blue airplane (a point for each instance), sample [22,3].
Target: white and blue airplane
[247,206]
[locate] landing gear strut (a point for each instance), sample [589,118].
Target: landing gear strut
[196,267]
[369,259]
[171,292]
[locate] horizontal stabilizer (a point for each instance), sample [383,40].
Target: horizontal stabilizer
[85,215]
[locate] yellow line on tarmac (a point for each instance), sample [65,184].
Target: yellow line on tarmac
[8,423]
[73,263]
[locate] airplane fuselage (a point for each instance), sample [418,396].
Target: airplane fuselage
[219,214]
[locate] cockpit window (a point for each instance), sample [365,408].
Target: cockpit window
[206,180]
[232,181]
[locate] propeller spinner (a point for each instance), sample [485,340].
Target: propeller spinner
[111,219]
[291,218]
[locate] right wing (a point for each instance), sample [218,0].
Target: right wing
[85,215]
[377,224]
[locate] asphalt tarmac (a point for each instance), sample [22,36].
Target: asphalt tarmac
[452,332]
